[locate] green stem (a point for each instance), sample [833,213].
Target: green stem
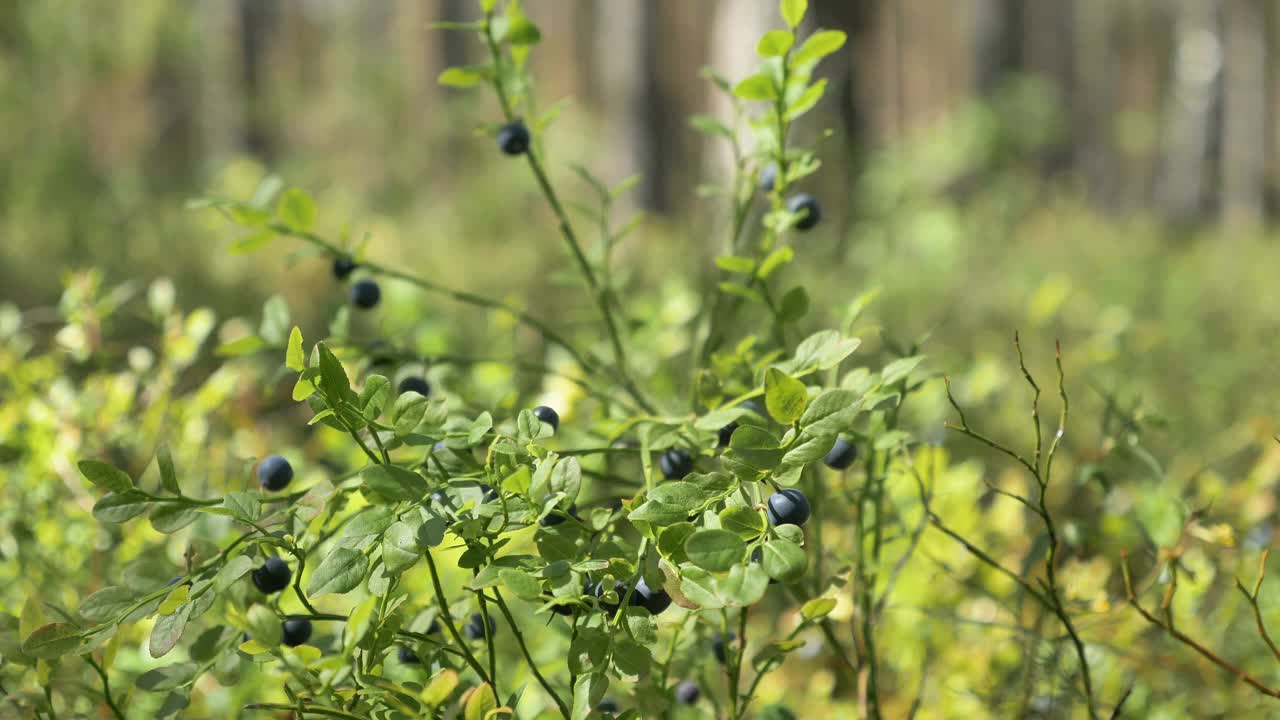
[524,649]
[106,686]
[445,615]
[311,709]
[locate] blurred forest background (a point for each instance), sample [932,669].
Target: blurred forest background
[1106,172]
[1105,169]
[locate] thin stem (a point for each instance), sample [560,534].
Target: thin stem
[488,641]
[445,615]
[461,296]
[305,709]
[524,649]
[106,686]
[1187,640]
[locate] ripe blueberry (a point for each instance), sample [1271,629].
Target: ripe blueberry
[343,265]
[807,207]
[655,601]
[768,176]
[687,692]
[607,706]
[474,630]
[548,416]
[296,632]
[842,454]
[407,656]
[271,576]
[365,294]
[788,507]
[726,433]
[415,383]
[434,627]
[717,646]
[675,463]
[513,138]
[274,473]
[489,493]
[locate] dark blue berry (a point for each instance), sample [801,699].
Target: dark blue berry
[768,177]
[296,632]
[415,383]
[726,433]
[655,601]
[842,455]
[717,646]
[607,706]
[558,516]
[274,473]
[548,416]
[675,463]
[343,266]
[407,656]
[365,294]
[687,692]
[474,630]
[272,576]
[806,206]
[513,138]
[787,507]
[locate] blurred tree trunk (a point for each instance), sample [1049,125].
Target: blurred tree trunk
[1192,97]
[857,20]
[632,106]
[998,38]
[1048,51]
[733,30]
[257,23]
[1244,107]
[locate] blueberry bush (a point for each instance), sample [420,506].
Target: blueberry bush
[422,536]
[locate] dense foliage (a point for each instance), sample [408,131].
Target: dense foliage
[728,512]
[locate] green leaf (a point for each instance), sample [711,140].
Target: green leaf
[566,480]
[392,483]
[479,428]
[677,493]
[744,586]
[700,587]
[793,11]
[246,345]
[756,87]
[122,507]
[743,521]
[369,523]
[821,351]
[710,126]
[715,550]
[809,448]
[818,607]
[340,572]
[105,476]
[807,99]
[168,476]
[167,631]
[373,397]
[818,46]
[169,677]
[741,291]
[520,583]
[735,264]
[784,396]
[479,703]
[522,32]
[233,570]
[784,560]
[297,210]
[243,506]
[400,547]
[107,604]
[264,626]
[671,541]
[657,513]
[794,304]
[776,259]
[333,377]
[588,691]
[899,369]
[171,517]
[754,447]
[275,320]
[831,412]
[409,411]
[51,641]
[775,43]
[631,657]
[294,358]
[465,77]
[252,241]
